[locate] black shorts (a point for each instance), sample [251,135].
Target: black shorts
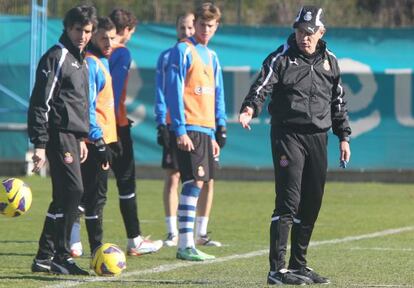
[169,156]
[199,163]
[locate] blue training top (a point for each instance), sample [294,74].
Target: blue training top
[180,60]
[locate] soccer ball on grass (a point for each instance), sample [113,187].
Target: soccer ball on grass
[15,197]
[108,260]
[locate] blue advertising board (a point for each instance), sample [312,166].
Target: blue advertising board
[376,64]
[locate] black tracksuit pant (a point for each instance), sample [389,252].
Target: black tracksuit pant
[95,181]
[62,152]
[123,166]
[300,164]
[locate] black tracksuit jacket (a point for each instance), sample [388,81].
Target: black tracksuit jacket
[59,98]
[306,92]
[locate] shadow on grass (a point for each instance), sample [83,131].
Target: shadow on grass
[86,279]
[18,241]
[164,282]
[17,254]
[44,277]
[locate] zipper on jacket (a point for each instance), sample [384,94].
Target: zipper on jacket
[311,93]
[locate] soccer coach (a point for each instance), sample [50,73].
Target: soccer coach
[303,78]
[57,123]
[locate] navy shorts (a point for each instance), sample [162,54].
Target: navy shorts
[169,155]
[198,164]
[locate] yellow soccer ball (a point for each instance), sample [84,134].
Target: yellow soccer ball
[108,260]
[15,197]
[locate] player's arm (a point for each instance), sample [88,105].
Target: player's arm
[119,65]
[96,84]
[220,107]
[45,88]
[177,70]
[160,107]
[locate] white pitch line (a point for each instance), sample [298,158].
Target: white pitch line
[379,285]
[383,249]
[170,267]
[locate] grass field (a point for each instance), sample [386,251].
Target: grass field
[363,238]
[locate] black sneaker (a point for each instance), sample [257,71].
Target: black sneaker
[41,265]
[310,276]
[286,278]
[67,267]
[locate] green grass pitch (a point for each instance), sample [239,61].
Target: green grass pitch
[363,238]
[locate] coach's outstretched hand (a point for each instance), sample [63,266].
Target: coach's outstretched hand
[245,117]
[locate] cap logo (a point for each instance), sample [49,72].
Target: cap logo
[307,16]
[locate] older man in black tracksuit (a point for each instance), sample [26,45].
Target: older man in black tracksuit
[303,78]
[57,123]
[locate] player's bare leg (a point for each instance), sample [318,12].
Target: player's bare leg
[205,202]
[171,184]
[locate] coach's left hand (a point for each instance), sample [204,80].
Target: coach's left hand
[39,159]
[345,151]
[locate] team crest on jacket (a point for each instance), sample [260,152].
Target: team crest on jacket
[68,158]
[283,161]
[200,171]
[326,65]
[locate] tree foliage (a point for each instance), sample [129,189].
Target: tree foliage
[338,13]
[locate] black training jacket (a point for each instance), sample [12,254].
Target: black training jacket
[60,97]
[306,92]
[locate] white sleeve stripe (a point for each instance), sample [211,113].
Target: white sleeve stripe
[342,90]
[285,47]
[339,98]
[330,53]
[164,66]
[186,52]
[55,79]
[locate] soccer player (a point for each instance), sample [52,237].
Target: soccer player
[58,120]
[167,139]
[102,130]
[303,78]
[195,100]
[123,164]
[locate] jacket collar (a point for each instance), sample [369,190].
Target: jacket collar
[64,39]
